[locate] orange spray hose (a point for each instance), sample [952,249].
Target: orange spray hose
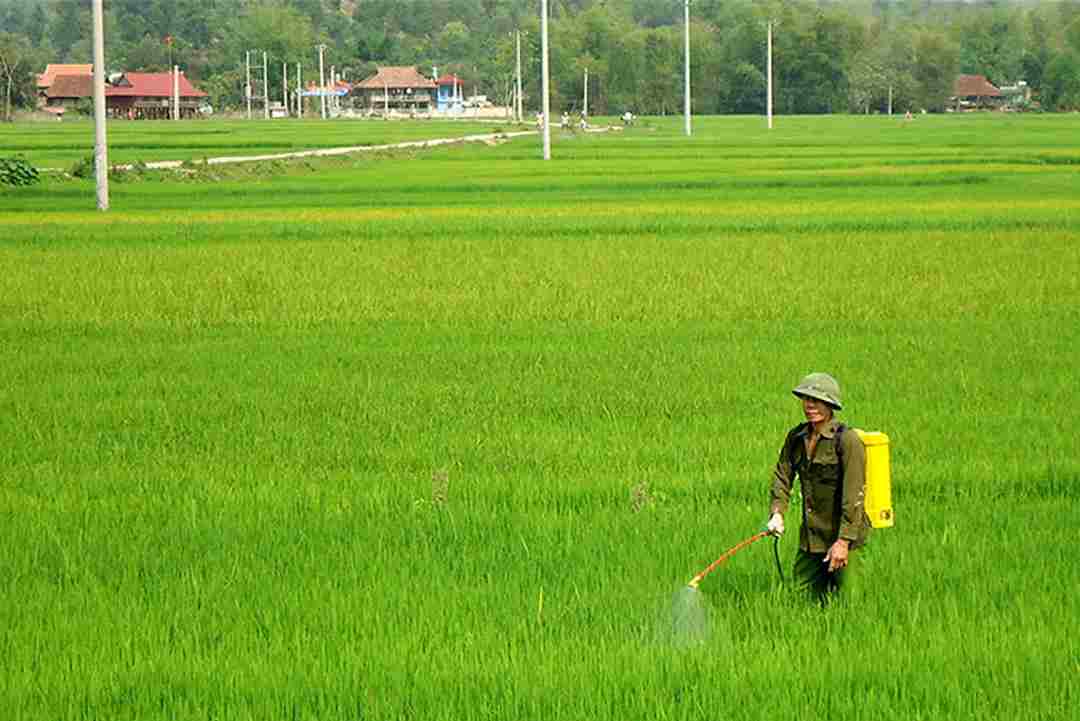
[727,554]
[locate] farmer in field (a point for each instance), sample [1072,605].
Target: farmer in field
[829,462]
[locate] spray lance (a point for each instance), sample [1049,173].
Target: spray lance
[693,585]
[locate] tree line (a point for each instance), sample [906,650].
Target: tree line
[830,56]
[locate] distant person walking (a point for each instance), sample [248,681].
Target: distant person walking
[829,461]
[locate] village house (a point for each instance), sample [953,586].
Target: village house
[1016,95]
[451,96]
[134,96]
[65,92]
[333,92]
[47,79]
[148,96]
[401,89]
[974,92]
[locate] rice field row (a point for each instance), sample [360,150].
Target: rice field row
[59,145]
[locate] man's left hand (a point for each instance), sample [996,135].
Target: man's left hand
[837,555]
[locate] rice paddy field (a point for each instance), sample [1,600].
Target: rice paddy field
[439,435]
[59,145]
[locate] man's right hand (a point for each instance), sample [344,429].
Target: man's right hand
[776,525]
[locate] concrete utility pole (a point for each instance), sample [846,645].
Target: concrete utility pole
[585,106]
[247,88]
[519,104]
[322,82]
[266,91]
[686,69]
[768,73]
[176,92]
[101,150]
[546,78]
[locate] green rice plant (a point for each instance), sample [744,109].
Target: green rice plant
[83,167]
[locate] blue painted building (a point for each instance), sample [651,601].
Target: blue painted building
[450,98]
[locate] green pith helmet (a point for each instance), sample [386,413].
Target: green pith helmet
[821,386]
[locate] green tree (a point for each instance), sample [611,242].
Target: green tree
[454,42]
[1072,35]
[743,90]
[149,54]
[39,22]
[68,25]
[14,17]
[625,70]
[1038,48]
[992,44]
[934,69]
[1061,82]
[593,36]
[661,89]
[737,77]
[277,28]
[17,61]
[868,79]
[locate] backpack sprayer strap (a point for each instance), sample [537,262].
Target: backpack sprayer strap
[838,443]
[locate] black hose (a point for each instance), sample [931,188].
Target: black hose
[776,555]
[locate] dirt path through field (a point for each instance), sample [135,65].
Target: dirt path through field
[490,138]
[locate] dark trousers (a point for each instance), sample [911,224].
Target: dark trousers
[812,576]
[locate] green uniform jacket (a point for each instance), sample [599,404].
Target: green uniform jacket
[832,506]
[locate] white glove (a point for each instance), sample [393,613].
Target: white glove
[776,525]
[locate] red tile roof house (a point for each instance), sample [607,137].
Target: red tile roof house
[148,96]
[396,88]
[971,92]
[66,91]
[46,79]
[136,96]
[52,70]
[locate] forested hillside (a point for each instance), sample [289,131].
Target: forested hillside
[841,56]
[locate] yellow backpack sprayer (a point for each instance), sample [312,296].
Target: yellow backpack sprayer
[877,499]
